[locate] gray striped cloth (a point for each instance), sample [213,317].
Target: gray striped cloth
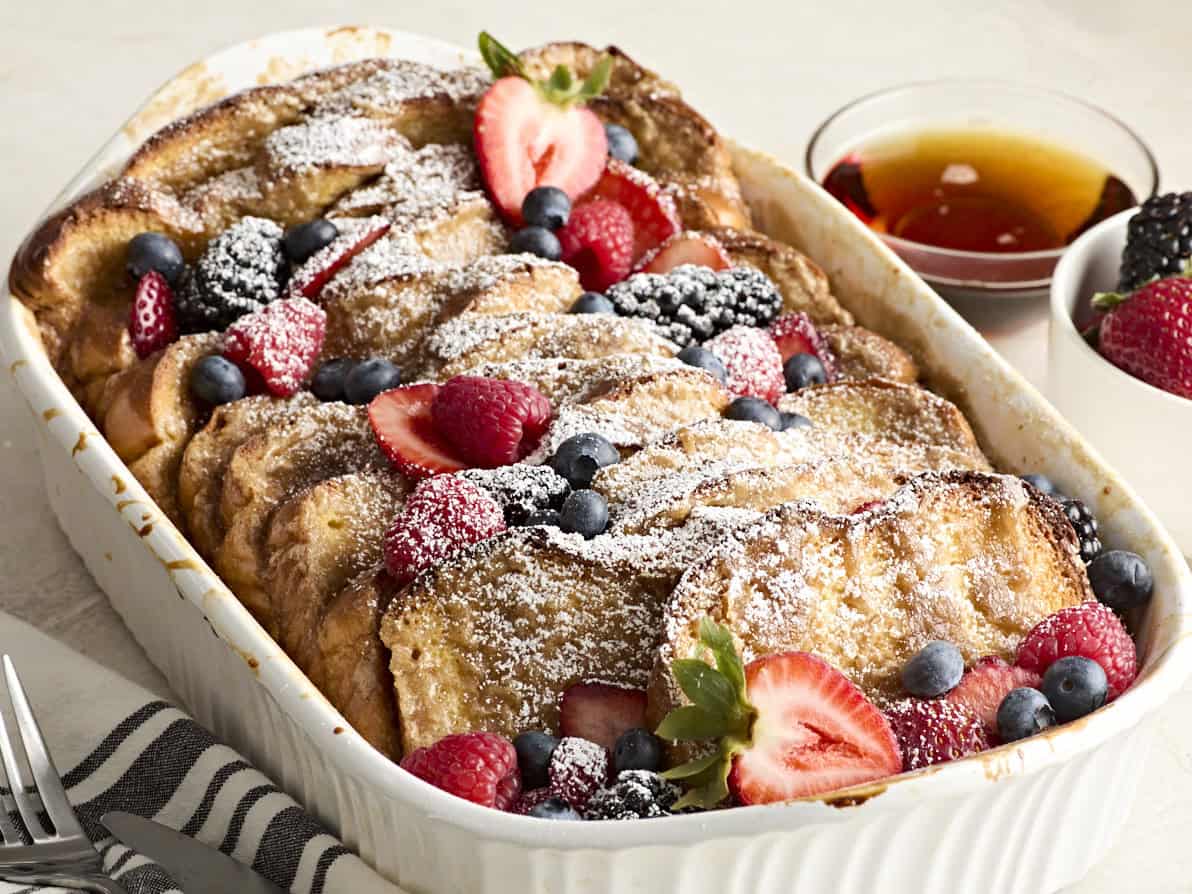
[159,763]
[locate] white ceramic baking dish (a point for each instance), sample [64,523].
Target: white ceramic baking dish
[1030,817]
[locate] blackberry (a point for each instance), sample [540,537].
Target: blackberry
[691,304]
[637,794]
[1158,241]
[1085,524]
[521,490]
[243,269]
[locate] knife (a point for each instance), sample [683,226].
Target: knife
[196,867]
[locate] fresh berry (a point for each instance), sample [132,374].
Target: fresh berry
[534,749]
[1085,524]
[536,241]
[1023,713]
[354,237]
[151,321]
[280,342]
[302,241]
[491,422]
[935,731]
[815,731]
[155,252]
[698,249]
[1122,580]
[621,143]
[592,303]
[794,333]
[1146,333]
[531,798]
[636,794]
[553,808]
[655,218]
[543,518]
[581,456]
[328,382]
[802,371]
[217,380]
[1158,240]
[934,670]
[479,767]
[601,712]
[752,360]
[794,421]
[754,409]
[547,207]
[577,769]
[584,512]
[368,378]
[404,428]
[1089,629]
[521,490]
[867,506]
[1074,686]
[442,516]
[598,243]
[242,270]
[986,684]
[701,358]
[690,304]
[637,749]
[1043,483]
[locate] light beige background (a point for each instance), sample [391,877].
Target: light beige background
[765,72]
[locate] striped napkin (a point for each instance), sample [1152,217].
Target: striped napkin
[121,748]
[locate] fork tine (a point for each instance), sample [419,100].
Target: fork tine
[45,776]
[18,785]
[8,832]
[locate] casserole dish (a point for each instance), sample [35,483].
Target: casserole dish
[959,826]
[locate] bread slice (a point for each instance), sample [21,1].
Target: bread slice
[863,354]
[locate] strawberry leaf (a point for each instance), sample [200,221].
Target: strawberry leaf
[597,79]
[501,61]
[560,88]
[707,781]
[705,686]
[693,768]
[718,640]
[1108,300]
[692,723]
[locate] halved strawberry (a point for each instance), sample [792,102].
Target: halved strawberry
[689,247]
[354,237]
[814,732]
[152,322]
[985,684]
[598,242]
[655,218]
[404,428]
[794,334]
[600,712]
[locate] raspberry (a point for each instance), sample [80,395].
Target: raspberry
[151,321]
[936,731]
[985,684]
[752,360]
[280,343]
[1089,629]
[490,422]
[242,270]
[598,242]
[443,515]
[578,768]
[794,334]
[530,799]
[479,767]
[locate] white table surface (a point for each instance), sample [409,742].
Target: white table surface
[765,72]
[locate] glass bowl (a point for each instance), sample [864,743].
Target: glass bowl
[993,105]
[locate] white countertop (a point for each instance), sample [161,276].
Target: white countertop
[765,72]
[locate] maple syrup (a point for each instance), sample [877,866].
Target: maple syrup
[976,190]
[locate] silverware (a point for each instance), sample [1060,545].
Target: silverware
[198,868]
[61,853]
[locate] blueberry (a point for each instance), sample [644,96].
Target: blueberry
[547,207]
[554,809]
[536,241]
[304,240]
[637,749]
[1075,686]
[702,358]
[592,303]
[754,409]
[1121,579]
[1043,483]
[793,421]
[621,143]
[155,251]
[547,518]
[217,380]
[534,750]
[328,383]
[803,370]
[1022,713]
[580,456]
[933,670]
[584,512]
[369,378]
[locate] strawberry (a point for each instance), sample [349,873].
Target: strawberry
[278,344]
[1090,630]
[985,684]
[935,731]
[537,133]
[152,323]
[354,237]
[598,242]
[655,218]
[794,333]
[600,712]
[690,247]
[491,422]
[752,360]
[1146,333]
[404,428]
[479,767]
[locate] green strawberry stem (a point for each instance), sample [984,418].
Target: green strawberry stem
[561,88]
[1106,301]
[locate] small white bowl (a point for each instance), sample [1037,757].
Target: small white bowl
[1142,431]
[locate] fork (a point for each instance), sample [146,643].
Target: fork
[61,854]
